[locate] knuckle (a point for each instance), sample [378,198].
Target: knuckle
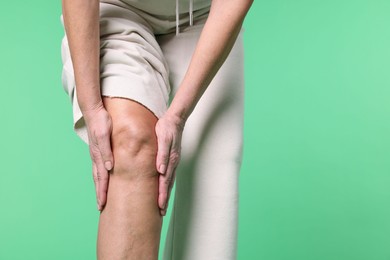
[163,185]
[170,187]
[94,152]
[99,177]
[101,133]
[96,178]
[168,180]
[174,157]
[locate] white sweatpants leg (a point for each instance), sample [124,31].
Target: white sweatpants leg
[204,220]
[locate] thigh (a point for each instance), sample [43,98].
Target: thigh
[132,64]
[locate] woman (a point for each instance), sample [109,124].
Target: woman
[141,69]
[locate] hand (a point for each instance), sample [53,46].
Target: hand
[99,126]
[169,131]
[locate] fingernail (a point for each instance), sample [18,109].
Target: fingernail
[164,205]
[108,165]
[162,168]
[98,207]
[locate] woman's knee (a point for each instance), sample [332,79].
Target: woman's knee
[134,147]
[133,140]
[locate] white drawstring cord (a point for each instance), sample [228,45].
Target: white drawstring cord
[177,17]
[191,10]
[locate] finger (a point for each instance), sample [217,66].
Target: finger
[174,158]
[95,181]
[104,144]
[165,182]
[102,190]
[163,150]
[102,182]
[102,176]
[164,210]
[163,185]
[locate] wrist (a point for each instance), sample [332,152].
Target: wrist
[89,97]
[177,118]
[179,109]
[91,108]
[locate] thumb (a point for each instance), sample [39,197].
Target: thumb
[106,153]
[104,144]
[163,150]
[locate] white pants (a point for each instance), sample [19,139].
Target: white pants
[204,220]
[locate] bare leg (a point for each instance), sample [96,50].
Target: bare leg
[130,223]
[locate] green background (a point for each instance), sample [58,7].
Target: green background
[315,179]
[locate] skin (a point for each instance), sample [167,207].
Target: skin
[134,154]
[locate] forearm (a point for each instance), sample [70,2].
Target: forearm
[215,43]
[81,22]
